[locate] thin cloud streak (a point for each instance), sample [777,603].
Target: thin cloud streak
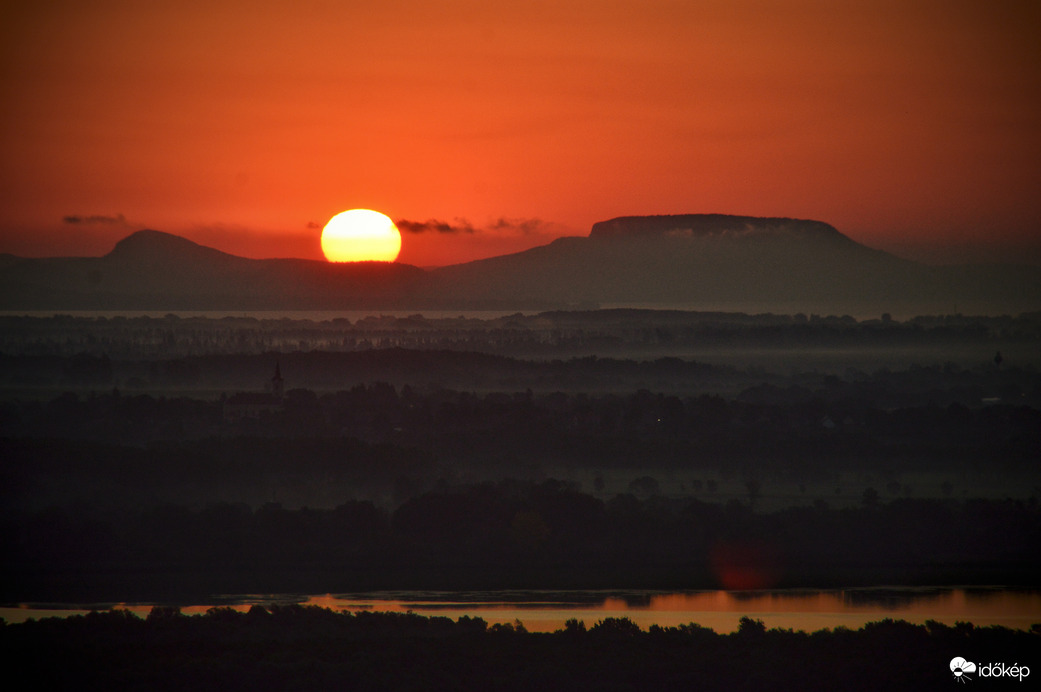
[95,219]
[500,226]
[434,226]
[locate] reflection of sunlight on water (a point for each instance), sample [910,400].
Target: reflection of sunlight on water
[544,611]
[721,610]
[806,610]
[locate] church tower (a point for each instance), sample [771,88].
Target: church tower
[277,386]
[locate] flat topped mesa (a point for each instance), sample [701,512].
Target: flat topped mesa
[710,225]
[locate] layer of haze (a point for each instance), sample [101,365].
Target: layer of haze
[910,126]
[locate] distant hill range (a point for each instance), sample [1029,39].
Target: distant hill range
[152,270]
[691,261]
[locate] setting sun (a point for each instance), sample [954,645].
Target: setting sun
[361,235]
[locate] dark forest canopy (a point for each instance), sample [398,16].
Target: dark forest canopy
[617,333]
[309,648]
[989,412]
[512,534]
[643,448]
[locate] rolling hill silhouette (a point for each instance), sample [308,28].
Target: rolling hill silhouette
[152,270]
[695,261]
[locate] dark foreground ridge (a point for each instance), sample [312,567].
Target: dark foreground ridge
[310,648]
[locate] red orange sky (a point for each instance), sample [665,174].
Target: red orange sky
[910,125]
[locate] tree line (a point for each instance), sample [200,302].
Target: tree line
[309,648]
[514,534]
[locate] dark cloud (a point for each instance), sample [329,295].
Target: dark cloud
[96,219]
[503,225]
[434,226]
[524,226]
[314,224]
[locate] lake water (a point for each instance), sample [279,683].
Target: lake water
[547,611]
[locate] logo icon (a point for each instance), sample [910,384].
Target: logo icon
[961,669]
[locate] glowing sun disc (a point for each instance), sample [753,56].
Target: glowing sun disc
[361,235]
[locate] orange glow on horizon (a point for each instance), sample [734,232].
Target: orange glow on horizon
[241,125]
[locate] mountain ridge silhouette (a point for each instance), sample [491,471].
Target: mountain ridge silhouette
[147,242]
[714,225]
[691,261]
